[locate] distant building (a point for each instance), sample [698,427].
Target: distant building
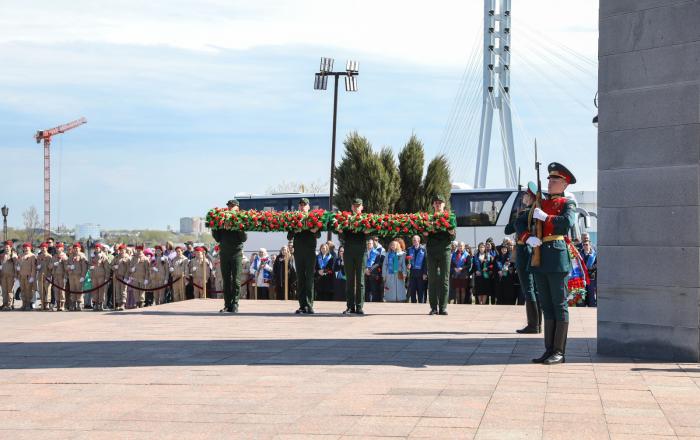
[191,225]
[87,230]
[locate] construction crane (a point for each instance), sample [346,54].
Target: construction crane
[45,135]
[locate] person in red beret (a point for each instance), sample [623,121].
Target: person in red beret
[27,276]
[120,266]
[43,268]
[8,272]
[178,270]
[200,270]
[160,266]
[100,272]
[59,273]
[77,269]
[139,271]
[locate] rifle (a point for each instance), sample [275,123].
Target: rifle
[535,260]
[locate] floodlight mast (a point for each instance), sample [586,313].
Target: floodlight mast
[321,83]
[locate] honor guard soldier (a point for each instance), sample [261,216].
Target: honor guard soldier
[230,260]
[194,269]
[520,227]
[120,267]
[355,244]
[558,214]
[77,269]
[59,273]
[27,276]
[43,270]
[178,270]
[8,273]
[305,261]
[438,255]
[140,272]
[100,272]
[159,274]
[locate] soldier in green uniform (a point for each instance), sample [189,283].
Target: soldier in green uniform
[230,247]
[355,255]
[519,225]
[438,255]
[557,214]
[305,260]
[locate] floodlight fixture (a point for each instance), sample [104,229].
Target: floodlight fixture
[351,83]
[326,65]
[352,67]
[320,81]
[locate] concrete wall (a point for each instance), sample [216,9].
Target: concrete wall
[649,179]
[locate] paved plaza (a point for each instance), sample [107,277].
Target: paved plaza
[185,371]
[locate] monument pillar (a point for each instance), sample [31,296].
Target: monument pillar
[649,179]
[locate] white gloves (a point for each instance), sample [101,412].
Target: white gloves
[31,279]
[71,267]
[539,214]
[82,279]
[92,267]
[38,267]
[194,269]
[55,264]
[145,282]
[17,267]
[155,269]
[163,258]
[534,241]
[172,269]
[115,267]
[133,269]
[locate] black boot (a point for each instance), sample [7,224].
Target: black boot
[560,334]
[539,317]
[531,312]
[549,329]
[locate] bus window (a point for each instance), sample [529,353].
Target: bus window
[276,204]
[478,209]
[517,206]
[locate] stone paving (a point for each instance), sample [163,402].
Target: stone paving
[185,371]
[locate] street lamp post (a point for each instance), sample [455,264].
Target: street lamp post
[321,83]
[5,212]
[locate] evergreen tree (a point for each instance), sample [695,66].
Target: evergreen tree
[437,181]
[390,183]
[411,160]
[358,174]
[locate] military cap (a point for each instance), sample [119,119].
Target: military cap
[27,245]
[233,202]
[199,249]
[532,188]
[44,245]
[439,198]
[558,170]
[9,243]
[303,201]
[357,201]
[60,245]
[158,246]
[139,247]
[98,246]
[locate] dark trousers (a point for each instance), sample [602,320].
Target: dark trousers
[354,272]
[416,286]
[438,277]
[373,288]
[305,261]
[553,295]
[231,272]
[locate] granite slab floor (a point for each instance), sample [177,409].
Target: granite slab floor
[186,371]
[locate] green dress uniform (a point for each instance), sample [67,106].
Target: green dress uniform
[551,275]
[355,244]
[305,262]
[438,256]
[520,227]
[231,260]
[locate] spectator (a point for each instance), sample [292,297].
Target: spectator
[331,248]
[324,274]
[418,271]
[246,278]
[460,269]
[278,273]
[482,278]
[394,273]
[373,271]
[504,275]
[261,270]
[590,258]
[340,278]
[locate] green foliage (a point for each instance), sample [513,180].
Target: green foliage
[437,181]
[389,185]
[358,166]
[411,162]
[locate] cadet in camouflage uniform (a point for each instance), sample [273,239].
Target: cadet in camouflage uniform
[59,271]
[230,247]
[438,256]
[558,214]
[120,267]
[100,272]
[159,274]
[139,273]
[77,269]
[195,268]
[355,256]
[178,269]
[305,262]
[27,276]
[8,273]
[43,270]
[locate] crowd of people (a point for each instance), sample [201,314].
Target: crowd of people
[52,275]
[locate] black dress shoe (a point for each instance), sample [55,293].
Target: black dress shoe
[542,358]
[309,310]
[527,330]
[359,311]
[348,311]
[225,309]
[443,312]
[556,358]
[300,310]
[433,312]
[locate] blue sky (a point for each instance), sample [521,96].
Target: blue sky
[190,102]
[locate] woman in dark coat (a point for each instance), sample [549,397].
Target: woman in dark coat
[339,272]
[324,277]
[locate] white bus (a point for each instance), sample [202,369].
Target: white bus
[480,214]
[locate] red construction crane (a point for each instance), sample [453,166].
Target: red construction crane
[45,135]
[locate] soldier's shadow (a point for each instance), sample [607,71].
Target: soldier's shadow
[406,351]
